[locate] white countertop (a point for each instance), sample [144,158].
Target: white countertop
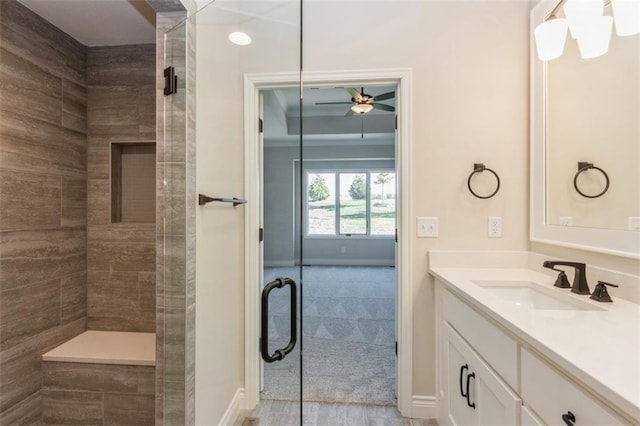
[601,348]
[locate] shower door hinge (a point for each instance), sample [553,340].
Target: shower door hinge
[396,122]
[260,126]
[261,235]
[396,349]
[170,81]
[396,235]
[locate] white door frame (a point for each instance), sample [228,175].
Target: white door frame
[253,83]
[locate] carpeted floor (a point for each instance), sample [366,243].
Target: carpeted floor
[348,337]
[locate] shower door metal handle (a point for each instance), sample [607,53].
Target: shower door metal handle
[279,354]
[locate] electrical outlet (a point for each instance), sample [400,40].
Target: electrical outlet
[633,223]
[428,227]
[495,227]
[566,221]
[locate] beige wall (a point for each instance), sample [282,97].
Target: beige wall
[469,104]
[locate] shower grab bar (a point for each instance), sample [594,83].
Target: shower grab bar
[279,354]
[204,199]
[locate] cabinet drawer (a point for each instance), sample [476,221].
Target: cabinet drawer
[528,418]
[494,346]
[552,395]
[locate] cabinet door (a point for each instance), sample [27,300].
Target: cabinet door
[457,409]
[490,400]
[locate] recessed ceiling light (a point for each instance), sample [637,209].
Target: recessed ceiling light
[240,38]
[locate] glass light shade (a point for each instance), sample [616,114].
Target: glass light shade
[578,11]
[550,38]
[240,38]
[594,38]
[626,14]
[361,108]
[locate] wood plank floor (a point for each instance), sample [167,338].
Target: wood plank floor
[286,413]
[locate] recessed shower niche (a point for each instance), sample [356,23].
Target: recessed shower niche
[133,182]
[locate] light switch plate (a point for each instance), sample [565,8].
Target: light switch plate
[428,227]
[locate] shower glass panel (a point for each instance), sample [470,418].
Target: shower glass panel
[205,128]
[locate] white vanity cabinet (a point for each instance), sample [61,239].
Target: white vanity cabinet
[476,395]
[488,376]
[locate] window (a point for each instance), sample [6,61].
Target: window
[361,202]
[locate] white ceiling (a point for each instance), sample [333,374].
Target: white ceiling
[99,22]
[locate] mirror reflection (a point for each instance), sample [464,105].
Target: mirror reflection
[593,137]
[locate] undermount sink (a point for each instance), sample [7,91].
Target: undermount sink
[529,295]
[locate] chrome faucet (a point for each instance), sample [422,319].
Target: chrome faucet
[579,285]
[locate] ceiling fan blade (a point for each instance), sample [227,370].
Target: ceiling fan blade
[382,97]
[349,113]
[334,103]
[383,107]
[355,94]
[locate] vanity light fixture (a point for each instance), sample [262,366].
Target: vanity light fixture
[626,14]
[240,38]
[587,24]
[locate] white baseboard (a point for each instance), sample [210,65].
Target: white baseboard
[233,410]
[278,263]
[349,262]
[423,407]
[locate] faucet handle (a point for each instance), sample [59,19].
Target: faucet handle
[600,293]
[562,281]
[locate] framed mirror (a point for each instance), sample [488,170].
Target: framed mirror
[585,146]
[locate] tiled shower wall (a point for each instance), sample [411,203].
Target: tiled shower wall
[43,152]
[121,256]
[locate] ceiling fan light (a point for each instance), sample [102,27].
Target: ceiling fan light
[579,11]
[550,37]
[361,108]
[626,14]
[594,42]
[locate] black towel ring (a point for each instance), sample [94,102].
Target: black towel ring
[479,168]
[583,166]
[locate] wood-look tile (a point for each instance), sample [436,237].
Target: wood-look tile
[28,144]
[74,202]
[98,161]
[21,373]
[166,5]
[120,255]
[171,198]
[63,407]
[73,298]
[28,310]
[28,89]
[112,294]
[112,112]
[32,37]
[28,257]
[55,336]
[129,410]
[128,66]
[29,200]
[98,202]
[174,411]
[91,377]
[74,99]
[174,345]
[147,289]
[27,412]
[146,380]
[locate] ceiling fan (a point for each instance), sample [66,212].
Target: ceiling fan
[361,103]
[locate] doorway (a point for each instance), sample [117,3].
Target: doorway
[349,295]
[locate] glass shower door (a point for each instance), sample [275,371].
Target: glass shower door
[234,40]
